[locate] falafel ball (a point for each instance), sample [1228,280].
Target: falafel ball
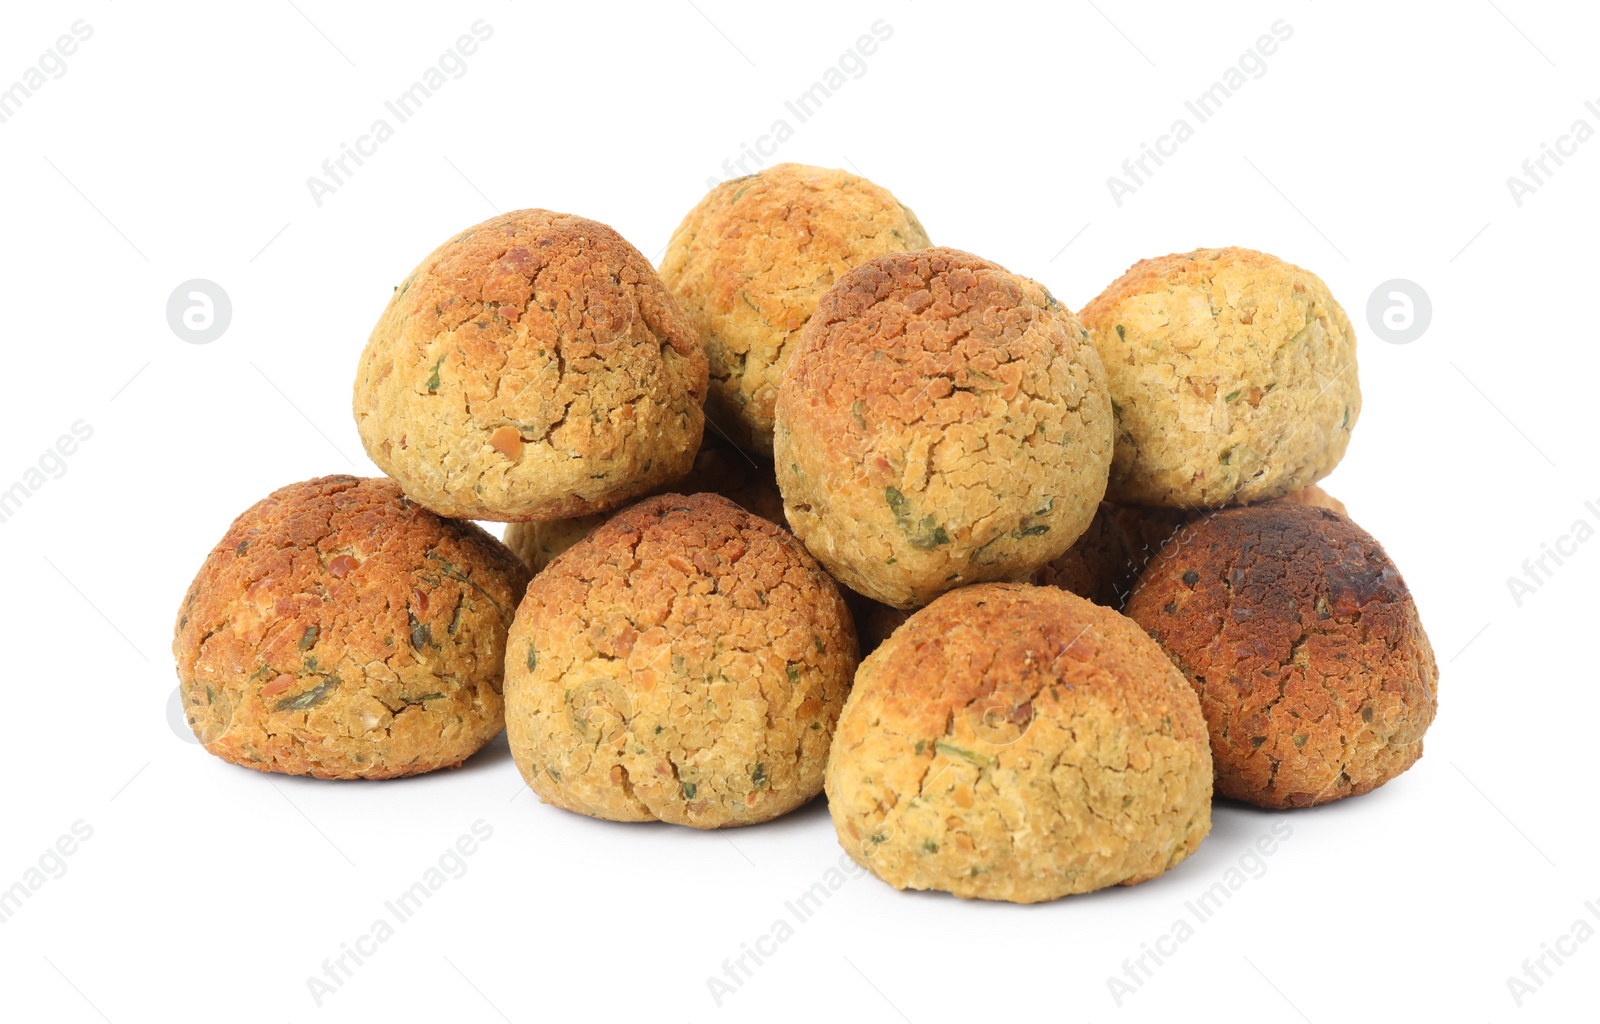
[532,367]
[943,421]
[342,631]
[1303,642]
[1233,374]
[686,661]
[1013,742]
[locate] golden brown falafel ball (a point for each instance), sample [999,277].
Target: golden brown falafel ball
[685,662]
[941,422]
[1012,742]
[342,631]
[752,259]
[533,367]
[1300,636]
[1233,374]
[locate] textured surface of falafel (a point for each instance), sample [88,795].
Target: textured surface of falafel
[941,422]
[1019,743]
[1234,378]
[686,661]
[342,631]
[532,367]
[1303,642]
[750,262]
[718,468]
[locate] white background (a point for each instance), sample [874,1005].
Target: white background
[178,144]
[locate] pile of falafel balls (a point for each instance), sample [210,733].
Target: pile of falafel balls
[816,505]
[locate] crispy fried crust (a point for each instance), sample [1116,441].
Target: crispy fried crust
[1234,378]
[942,421]
[1019,743]
[750,262]
[532,367]
[341,631]
[1106,562]
[684,662]
[746,481]
[1299,635]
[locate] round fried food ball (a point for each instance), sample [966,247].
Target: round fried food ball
[941,422]
[1012,742]
[752,259]
[717,468]
[1233,374]
[685,662]
[1299,635]
[533,367]
[341,631]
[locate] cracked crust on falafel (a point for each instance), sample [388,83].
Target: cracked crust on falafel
[942,422]
[341,631]
[1303,642]
[1233,374]
[1020,743]
[532,367]
[752,259]
[686,661]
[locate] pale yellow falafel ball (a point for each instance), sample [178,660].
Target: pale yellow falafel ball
[1233,374]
